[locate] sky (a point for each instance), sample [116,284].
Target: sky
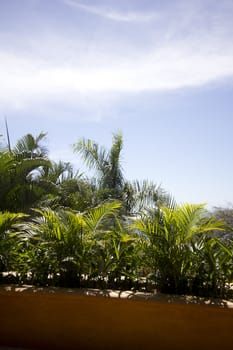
[160,72]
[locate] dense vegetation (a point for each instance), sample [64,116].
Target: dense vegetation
[60,227]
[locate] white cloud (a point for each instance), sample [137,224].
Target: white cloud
[111,14]
[27,80]
[63,70]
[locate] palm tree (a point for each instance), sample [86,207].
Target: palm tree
[169,236]
[135,195]
[139,196]
[106,163]
[62,242]
[19,183]
[30,147]
[65,187]
[116,256]
[9,227]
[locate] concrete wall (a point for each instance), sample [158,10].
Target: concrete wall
[61,321]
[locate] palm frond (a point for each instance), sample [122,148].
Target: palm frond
[29,146]
[93,155]
[9,220]
[96,216]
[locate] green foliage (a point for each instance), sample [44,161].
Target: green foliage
[30,147]
[20,186]
[140,196]
[64,241]
[19,183]
[10,225]
[170,237]
[116,257]
[111,184]
[106,163]
[65,188]
[107,232]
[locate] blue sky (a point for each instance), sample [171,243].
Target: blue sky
[159,71]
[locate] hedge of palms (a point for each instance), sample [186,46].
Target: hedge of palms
[62,228]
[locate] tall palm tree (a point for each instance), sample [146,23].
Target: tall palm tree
[135,195]
[106,163]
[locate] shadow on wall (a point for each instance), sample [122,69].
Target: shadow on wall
[132,295]
[67,320]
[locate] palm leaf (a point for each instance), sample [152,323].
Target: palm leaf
[93,155]
[96,216]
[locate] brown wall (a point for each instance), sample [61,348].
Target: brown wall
[61,321]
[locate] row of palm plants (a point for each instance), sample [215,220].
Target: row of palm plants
[60,227]
[173,249]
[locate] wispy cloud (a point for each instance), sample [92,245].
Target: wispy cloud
[61,70]
[111,14]
[168,68]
